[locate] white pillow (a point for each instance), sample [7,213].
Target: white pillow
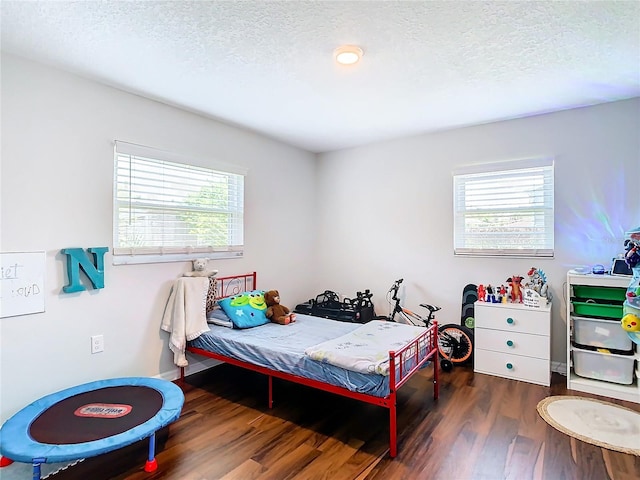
[218,317]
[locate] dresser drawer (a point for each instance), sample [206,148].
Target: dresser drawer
[516,367]
[523,320]
[515,343]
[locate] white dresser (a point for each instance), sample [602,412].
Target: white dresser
[513,341]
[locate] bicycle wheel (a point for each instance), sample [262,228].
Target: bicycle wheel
[455,343]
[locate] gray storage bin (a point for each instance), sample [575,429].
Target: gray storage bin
[603,366]
[601,333]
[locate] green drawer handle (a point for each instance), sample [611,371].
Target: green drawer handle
[510,321]
[509,366]
[510,343]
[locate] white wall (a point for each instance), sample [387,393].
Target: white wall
[57,174]
[387,208]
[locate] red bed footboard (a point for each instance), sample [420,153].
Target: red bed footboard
[403,364]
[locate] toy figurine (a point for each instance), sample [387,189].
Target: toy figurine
[491,298]
[538,282]
[503,294]
[482,293]
[632,253]
[516,290]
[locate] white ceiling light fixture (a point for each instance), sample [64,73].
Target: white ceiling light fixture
[348,54]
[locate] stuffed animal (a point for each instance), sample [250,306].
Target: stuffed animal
[275,312]
[200,269]
[631,322]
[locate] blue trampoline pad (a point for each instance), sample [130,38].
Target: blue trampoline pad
[90,419]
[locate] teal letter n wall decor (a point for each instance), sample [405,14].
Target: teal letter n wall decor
[77,259]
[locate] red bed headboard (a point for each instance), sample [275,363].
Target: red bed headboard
[235,284]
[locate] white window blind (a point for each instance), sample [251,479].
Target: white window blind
[504,209]
[167,210]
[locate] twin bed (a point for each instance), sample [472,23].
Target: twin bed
[343,358]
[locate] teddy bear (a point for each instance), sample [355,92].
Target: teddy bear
[200,269]
[275,312]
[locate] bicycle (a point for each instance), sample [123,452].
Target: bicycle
[455,342]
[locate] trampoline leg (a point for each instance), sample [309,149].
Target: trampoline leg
[152,463]
[5,462]
[36,468]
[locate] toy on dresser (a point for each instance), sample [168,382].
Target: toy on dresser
[482,293]
[503,294]
[515,283]
[491,294]
[535,293]
[536,290]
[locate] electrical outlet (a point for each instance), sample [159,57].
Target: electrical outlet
[97,343]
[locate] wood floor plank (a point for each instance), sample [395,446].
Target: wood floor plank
[285,465]
[621,467]
[247,470]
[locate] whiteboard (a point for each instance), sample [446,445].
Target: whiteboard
[21,283]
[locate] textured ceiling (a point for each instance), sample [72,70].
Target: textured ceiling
[268,66]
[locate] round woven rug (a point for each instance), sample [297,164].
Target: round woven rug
[593,421]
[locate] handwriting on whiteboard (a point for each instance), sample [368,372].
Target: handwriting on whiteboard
[19,288]
[21,283]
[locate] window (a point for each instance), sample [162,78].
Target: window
[168,210]
[504,209]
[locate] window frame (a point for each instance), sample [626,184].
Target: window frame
[123,255]
[544,212]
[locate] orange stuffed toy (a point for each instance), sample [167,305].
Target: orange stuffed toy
[275,312]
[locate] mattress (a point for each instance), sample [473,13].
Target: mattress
[282,347]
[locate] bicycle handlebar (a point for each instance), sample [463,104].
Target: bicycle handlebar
[395,287]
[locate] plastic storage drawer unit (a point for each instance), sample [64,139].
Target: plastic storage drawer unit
[599,293]
[603,366]
[593,309]
[600,333]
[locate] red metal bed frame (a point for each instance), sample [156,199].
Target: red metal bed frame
[236,284]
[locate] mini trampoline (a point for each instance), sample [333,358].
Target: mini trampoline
[91,419]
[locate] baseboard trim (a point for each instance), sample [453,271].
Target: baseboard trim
[195,366]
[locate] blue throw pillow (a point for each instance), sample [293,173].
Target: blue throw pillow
[246,309]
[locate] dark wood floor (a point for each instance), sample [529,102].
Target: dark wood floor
[482,427]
